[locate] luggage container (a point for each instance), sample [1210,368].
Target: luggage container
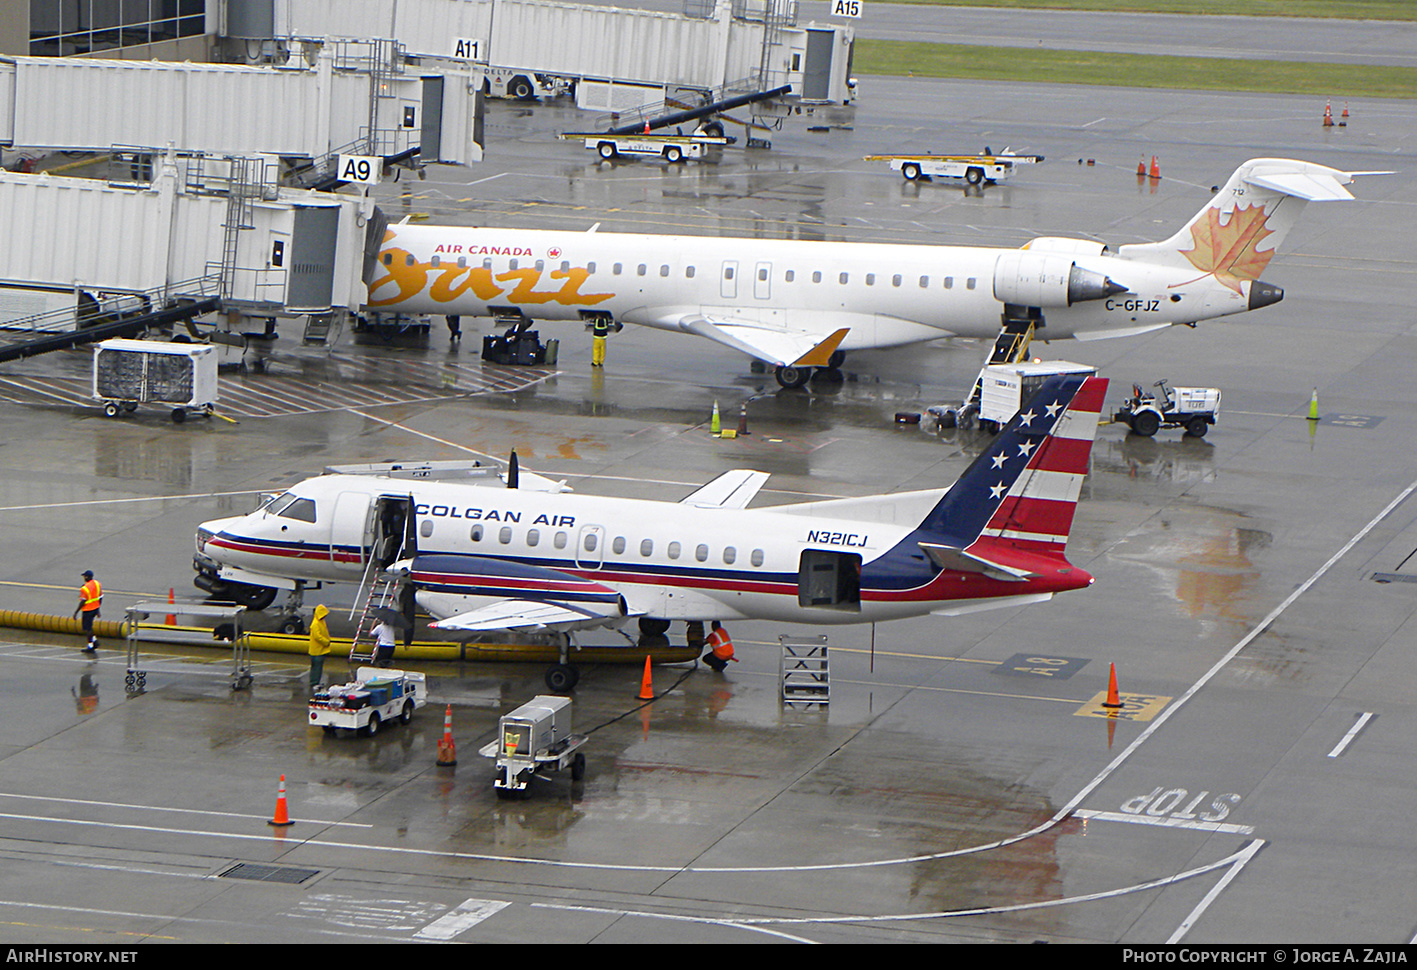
[180,376]
[536,737]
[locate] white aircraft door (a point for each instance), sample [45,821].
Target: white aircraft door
[762,281]
[590,547]
[352,523]
[728,283]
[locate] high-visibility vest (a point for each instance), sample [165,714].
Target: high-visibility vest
[721,644]
[92,593]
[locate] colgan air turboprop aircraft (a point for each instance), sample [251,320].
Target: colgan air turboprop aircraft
[800,305]
[483,559]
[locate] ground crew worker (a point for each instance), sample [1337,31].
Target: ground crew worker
[319,646]
[90,597]
[600,329]
[454,323]
[720,648]
[384,638]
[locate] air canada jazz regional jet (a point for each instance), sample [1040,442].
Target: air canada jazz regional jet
[483,559]
[800,304]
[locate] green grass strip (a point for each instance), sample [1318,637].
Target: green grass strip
[901,58]
[1340,9]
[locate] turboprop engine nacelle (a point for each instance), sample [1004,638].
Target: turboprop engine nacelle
[1048,280]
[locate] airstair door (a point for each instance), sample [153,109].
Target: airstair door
[350,529]
[394,536]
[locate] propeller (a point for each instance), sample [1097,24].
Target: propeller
[512,473]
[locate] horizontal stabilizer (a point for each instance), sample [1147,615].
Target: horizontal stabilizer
[950,557]
[1309,186]
[731,490]
[997,603]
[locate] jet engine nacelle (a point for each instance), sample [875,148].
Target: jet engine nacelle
[1047,280]
[1067,246]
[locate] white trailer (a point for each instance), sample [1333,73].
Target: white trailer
[974,169]
[179,376]
[377,696]
[672,148]
[1004,387]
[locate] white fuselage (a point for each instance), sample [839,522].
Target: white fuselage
[885,294]
[668,560]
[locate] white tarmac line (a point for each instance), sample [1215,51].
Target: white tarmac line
[1241,858]
[1342,745]
[160,808]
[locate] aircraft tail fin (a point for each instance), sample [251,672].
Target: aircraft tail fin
[1239,230]
[1023,490]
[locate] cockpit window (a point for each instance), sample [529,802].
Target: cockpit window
[274,505]
[298,508]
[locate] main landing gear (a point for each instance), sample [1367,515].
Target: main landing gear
[793,376]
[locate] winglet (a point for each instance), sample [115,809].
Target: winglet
[819,355]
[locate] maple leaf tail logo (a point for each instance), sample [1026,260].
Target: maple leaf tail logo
[1229,250]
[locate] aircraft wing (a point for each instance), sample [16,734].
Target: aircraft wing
[528,616]
[731,490]
[775,345]
[481,593]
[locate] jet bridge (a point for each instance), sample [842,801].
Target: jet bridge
[353,99]
[94,253]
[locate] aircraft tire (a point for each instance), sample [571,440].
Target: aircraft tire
[562,678]
[251,597]
[650,627]
[792,377]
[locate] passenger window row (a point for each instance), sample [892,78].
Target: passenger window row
[591,542]
[642,269]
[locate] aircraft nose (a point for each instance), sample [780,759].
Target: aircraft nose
[1264,294]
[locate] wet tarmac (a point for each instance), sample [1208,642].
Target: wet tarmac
[961,785]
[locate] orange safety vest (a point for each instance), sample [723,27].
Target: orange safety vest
[92,594]
[721,644]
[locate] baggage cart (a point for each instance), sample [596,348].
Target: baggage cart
[179,376]
[534,738]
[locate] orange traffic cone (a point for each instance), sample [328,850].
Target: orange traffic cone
[646,126]
[1343,118]
[1113,700]
[743,420]
[282,818]
[171,600]
[1141,169]
[1155,169]
[447,748]
[1328,114]
[646,688]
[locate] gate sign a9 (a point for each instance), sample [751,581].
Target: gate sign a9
[362,169]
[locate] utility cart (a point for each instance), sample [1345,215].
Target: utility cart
[974,169]
[223,623]
[179,376]
[378,696]
[672,148]
[1192,408]
[536,737]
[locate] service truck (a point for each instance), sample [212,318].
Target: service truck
[377,696]
[1192,408]
[1003,387]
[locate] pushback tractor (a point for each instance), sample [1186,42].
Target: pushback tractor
[1192,408]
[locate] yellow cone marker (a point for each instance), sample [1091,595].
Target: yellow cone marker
[714,425]
[1314,406]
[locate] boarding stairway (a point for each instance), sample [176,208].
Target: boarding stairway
[803,671]
[1010,347]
